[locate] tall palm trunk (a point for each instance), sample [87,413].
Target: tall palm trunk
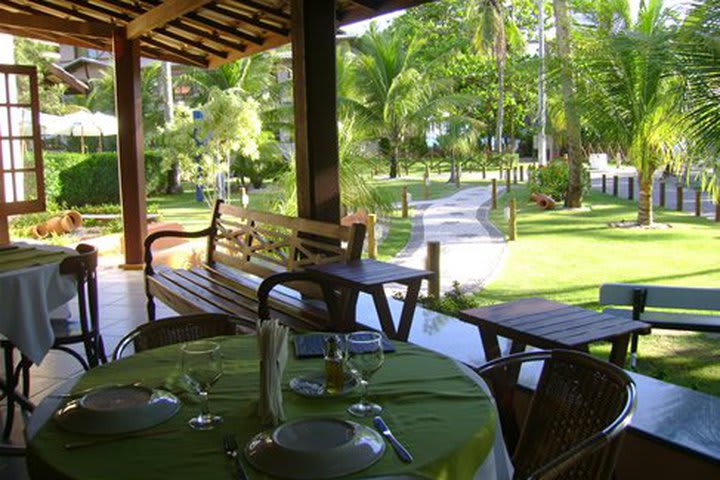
[501,60]
[645,201]
[575,150]
[393,162]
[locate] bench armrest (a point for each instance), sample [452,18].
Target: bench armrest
[263,291]
[168,233]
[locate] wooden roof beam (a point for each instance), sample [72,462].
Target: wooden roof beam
[221,27]
[240,17]
[275,12]
[51,23]
[371,5]
[162,14]
[196,60]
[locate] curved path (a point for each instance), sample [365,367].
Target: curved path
[472,248]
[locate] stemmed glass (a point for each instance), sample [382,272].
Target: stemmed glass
[202,364]
[365,356]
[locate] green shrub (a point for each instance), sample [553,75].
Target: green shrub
[54,163]
[94,181]
[552,180]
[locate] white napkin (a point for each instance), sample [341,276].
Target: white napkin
[273,346]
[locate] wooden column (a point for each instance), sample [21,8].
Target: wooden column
[316,136]
[128,104]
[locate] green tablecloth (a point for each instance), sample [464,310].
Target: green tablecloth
[443,417]
[23,256]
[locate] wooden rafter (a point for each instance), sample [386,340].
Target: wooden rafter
[265,9]
[54,24]
[242,18]
[161,15]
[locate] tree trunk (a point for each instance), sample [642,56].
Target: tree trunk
[453,171]
[393,162]
[645,202]
[575,151]
[501,58]
[165,84]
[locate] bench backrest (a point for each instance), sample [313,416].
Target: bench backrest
[263,243]
[690,298]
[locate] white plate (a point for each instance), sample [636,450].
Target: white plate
[313,385]
[315,448]
[117,409]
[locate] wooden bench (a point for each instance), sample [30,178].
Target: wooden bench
[639,297]
[247,249]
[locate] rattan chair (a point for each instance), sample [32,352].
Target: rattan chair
[83,267]
[576,417]
[181,329]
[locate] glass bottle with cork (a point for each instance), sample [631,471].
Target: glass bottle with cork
[334,374]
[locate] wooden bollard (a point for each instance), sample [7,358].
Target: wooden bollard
[616,185]
[604,183]
[507,180]
[717,211]
[512,221]
[494,194]
[631,188]
[662,193]
[515,175]
[698,203]
[679,201]
[522,173]
[501,173]
[404,202]
[244,198]
[372,241]
[484,172]
[432,263]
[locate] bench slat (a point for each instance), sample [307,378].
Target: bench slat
[672,321]
[690,298]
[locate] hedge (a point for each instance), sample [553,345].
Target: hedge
[93,179]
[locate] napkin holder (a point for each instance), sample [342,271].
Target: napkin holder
[273,348]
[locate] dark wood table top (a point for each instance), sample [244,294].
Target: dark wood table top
[367,273]
[545,323]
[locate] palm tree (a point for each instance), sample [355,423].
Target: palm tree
[394,94]
[572,117]
[632,90]
[495,33]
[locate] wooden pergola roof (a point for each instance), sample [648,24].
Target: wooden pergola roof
[203,33]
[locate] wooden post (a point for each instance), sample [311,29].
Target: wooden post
[501,173]
[131,143]
[4,229]
[484,172]
[679,201]
[507,180]
[432,263]
[515,175]
[244,197]
[631,188]
[312,24]
[662,193]
[426,183]
[404,201]
[494,194]
[616,184]
[604,183]
[512,221]
[372,241]
[458,172]
[698,203]
[717,211]
[522,173]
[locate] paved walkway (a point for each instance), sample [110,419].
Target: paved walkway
[472,249]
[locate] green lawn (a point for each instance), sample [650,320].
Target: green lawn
[565,256]
[438,186]
[398,235]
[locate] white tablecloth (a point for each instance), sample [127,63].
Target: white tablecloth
[27,296]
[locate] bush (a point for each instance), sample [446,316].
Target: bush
[54,163]
[94,180]
[553,179]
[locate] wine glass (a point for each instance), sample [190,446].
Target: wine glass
[202,364]
[364,353]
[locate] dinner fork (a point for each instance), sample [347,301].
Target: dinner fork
[231,450]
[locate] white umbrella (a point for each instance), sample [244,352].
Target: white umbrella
[47,122]
[84,124]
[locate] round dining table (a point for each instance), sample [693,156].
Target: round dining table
[438,408]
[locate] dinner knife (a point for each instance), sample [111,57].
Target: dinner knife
[402,452]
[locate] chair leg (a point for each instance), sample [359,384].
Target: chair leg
[10,398]
[633,351]
[150,308]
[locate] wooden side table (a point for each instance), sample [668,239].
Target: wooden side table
[370,276]
[547,324]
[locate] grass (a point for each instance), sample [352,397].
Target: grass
[439,187]
[565,255]
[398,236]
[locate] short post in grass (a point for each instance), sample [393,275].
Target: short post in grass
[507,179]
[631,188]
[515,175]
[717,210]
[432,263]
[679,196]
[512,220]
[522,173]
[604,183]
[484,172]
[494,194]
[244,198]
[501,173]
[405,202]
[662,192]
[616,184]
[698,202]
[372,241]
